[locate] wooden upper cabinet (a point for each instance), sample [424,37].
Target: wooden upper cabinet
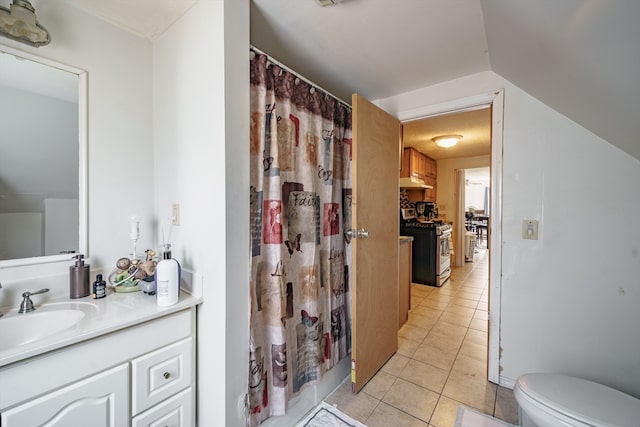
[404,170]
[422,165]
[430,193]
[413,164]
[416,164]
[431,168]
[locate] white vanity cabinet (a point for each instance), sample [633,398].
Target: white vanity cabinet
[103,399]
[142,375]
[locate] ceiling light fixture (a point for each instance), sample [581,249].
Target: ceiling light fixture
[447,141]
[19,23]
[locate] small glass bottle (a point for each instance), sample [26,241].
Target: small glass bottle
[99,287]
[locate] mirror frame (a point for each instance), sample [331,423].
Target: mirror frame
[83,178]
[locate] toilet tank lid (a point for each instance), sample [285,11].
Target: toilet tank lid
[591,403]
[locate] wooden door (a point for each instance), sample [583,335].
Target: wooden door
[375,208]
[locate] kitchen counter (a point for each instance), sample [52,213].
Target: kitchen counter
[101,316]
[405,239]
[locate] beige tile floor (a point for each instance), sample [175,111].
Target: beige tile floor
[441,360]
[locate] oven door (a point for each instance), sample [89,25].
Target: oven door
[443,262]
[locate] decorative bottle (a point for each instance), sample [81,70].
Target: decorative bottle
[167,274]
[99,287]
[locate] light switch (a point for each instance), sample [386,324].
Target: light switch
[530,229]
[175,214]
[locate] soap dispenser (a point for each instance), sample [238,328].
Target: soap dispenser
[79,278]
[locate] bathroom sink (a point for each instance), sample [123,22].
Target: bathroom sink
[21,329]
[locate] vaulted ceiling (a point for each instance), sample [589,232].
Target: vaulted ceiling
[580,57]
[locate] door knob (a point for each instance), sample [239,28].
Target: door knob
[360,234]
[363,234]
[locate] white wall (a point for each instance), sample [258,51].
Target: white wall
[236,60]
[20,235]
[201,126]
[570,299]
[39,143]
[60,225]
[39,146]
[120,130]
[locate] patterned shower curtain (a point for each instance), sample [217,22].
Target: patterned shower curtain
[300,209]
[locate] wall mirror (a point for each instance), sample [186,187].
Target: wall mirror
[43,163]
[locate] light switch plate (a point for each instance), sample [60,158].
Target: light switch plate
[530,229]
[175,214]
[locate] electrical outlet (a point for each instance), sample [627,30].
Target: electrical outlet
[175,214]
[530,229]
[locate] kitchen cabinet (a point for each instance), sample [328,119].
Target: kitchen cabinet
[141,375]
[413,163]
[404,279]
[422,164]
[429,194]
[430,167]
[416,164]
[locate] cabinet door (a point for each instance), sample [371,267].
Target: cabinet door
[417,164]
[424,166]
[174,412]
[430,193]
[103,399]
[431,168]
[405,171]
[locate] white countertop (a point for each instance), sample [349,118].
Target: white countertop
[101,316]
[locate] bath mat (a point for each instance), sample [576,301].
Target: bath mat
[325,415]
[468,417]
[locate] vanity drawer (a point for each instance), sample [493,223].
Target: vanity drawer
[173,412]
[161,374]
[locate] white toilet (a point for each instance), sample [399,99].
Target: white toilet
[548,400]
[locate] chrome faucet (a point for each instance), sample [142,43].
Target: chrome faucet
[27,305]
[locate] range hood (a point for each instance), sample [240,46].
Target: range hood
[413,182]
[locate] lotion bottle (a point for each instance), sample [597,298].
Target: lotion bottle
[167,279]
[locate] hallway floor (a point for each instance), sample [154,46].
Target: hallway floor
[441,360]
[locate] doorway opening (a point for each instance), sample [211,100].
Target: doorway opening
[493,103]
[476,210]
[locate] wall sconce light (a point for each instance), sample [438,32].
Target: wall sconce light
[327,2]
[447,141]
[19,23]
